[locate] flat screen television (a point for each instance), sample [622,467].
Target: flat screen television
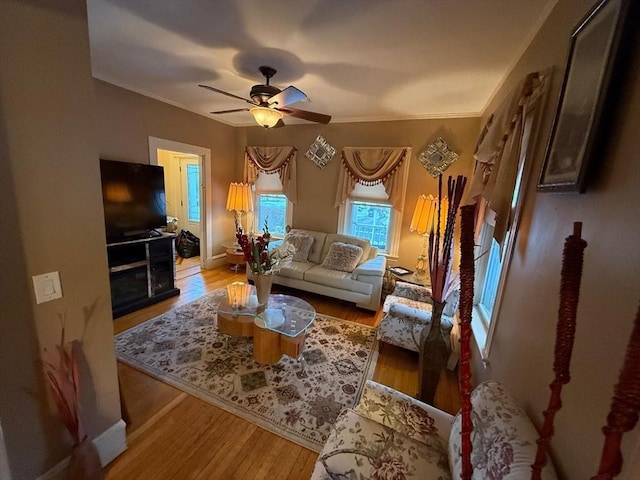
[134,199]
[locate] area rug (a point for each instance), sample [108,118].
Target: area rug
[184,348]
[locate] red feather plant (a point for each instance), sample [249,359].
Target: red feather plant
[63,380]
[441,245]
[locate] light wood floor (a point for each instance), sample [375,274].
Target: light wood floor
[172,435]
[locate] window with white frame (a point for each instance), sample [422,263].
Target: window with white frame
[491,259]
[271,205]
[367,213]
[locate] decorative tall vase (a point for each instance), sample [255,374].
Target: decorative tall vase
[433,355]
[85,462]
[263,284]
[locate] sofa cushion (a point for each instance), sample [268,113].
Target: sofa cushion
[405,414]
[343,257]
[358,447]
[335,237]
[336,279]
[295,269]
[302,243]
[315,253]
[503,437]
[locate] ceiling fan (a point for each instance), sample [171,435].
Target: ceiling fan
[270,104]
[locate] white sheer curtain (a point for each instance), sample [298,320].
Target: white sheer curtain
[280,160]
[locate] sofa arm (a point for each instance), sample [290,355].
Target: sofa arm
[404,414]
[374,267]
[412,291]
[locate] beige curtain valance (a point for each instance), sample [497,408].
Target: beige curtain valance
[371,166]
[499,148]
[280,160]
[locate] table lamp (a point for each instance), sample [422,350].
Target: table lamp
[423,222]
[239,200]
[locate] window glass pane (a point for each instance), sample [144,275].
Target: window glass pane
[492,277]
[273,208]
[371,221]
[193,193]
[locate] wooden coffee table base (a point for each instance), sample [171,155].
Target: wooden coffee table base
[269,346]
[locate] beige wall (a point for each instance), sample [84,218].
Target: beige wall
[317,187]
[125,122]
[51,221]
[522,351]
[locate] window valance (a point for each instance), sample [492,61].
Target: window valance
[371,166]
[280,160]
[500,146]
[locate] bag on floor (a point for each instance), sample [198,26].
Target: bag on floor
[187,244]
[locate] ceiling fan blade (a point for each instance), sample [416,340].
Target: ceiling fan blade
[226,93]
[279,124]
[287,96]
[306,115]
[230,111]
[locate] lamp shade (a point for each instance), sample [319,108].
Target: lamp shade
[266,117]
[425,215]
[240,198]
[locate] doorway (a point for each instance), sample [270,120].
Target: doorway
[186,190]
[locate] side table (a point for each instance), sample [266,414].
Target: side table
[235,259]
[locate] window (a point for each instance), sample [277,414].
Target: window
[368,214]
[371,221]
[193,192]
[491,258]
[271,205]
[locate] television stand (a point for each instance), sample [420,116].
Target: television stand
[141,272]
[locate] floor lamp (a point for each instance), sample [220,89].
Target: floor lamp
[239,200]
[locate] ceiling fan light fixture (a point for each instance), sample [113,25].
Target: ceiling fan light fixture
[266,117]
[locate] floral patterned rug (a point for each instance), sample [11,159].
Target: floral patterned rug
[184,348]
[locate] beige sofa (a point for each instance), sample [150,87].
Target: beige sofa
[362,285]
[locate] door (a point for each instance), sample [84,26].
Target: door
[190,194]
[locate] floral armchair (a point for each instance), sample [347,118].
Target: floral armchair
[390,435]
[407,312]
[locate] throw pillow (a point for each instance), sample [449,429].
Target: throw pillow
[343,257]
[302,243]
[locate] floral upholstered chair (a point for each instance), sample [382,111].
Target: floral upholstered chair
[407,312]
[390,435]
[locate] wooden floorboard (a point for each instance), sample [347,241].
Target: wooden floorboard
[172,434]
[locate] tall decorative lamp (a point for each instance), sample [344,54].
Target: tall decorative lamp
[239,200]
[425,217]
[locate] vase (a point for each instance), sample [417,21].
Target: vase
[433,355]
[263,284]
[85,462]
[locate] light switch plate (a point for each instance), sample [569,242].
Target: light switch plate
[47,287]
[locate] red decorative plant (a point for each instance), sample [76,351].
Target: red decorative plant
[61,372]
[257,254]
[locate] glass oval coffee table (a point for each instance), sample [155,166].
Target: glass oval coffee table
[280,329]
[277,328]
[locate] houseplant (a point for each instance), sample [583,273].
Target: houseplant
[264,263]
[61,373]
[442,283]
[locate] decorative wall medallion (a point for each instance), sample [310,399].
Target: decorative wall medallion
[320,151]
[437,157]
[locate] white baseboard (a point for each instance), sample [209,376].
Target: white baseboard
[215,261]
[110,443]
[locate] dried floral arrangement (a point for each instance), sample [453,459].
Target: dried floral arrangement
[260,259]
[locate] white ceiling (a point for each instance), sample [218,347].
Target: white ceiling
[357,60]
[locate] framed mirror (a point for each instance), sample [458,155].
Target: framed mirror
[437,157]
[320,152]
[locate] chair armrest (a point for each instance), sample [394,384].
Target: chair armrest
[411,314]
[404,414]
[374,267]
[412,291]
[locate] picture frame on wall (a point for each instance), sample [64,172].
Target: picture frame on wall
[584,98]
